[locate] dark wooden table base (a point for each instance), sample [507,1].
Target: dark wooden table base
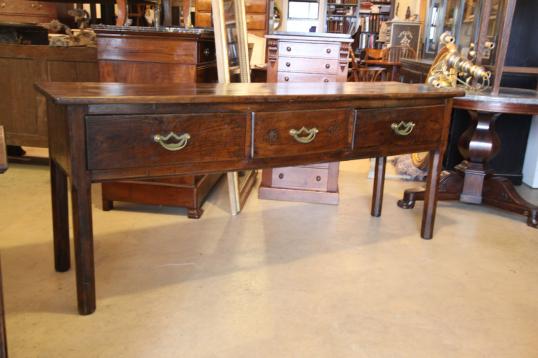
[473,182]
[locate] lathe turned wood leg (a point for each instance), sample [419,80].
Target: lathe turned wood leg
[450,186]
[500,192]
[379,183]
[60,220]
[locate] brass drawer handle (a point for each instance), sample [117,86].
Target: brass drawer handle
[182,141]
[288,64]
[286,78]
[328,50]
[288,49]
[402,128]
[326,80]
[327,66]
[310,134]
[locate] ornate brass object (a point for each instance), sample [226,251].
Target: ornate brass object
[310,134]
[450,69]
[182,141]
[402,128]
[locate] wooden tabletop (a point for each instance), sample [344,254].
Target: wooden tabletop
[509,100]
[121,93]
[3,155]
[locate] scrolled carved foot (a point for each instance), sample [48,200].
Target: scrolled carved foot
[195,213]
[532,218]
[406,203]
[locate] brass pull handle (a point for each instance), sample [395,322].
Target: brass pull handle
[288,49]
[327,66]
[328,50]
[288,64]
[310,134]
[402,128]
[182,141]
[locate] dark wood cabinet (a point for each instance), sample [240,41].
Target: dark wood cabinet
[157,57]
[22,109]
[27,11]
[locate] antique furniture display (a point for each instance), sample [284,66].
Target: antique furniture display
[296,57]
[390,60]
[147,55]
[22,110]
[473,181]
[3,341]
[26,11]
[109,131]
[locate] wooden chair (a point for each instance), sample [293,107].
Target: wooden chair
[3,168]
[358,73]
[373,54]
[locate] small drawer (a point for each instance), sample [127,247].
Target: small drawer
[308,65]
[119,142]
[405,126]
[305,77]
[309,50]
[291,133]
[300,178]
[206,52]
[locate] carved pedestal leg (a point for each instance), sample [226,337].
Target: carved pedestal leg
[379,183]
[478,144]
[60,220]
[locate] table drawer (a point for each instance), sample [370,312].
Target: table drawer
[305,77]
[281,134]
[399,126]
[124,142]
[308,65]
[300,178]
[309,50]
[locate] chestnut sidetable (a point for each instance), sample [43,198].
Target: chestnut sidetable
[112,131]
[473,181]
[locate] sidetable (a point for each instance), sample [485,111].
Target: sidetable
[473,182]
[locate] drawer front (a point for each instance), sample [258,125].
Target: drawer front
[281,134]
[118,142]
[307,65]
[206,52]
[305,77]
[256,21]
[309,50]
[256,6]
[300,178]
[405,126]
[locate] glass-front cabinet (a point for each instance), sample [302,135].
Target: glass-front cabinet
[462,19]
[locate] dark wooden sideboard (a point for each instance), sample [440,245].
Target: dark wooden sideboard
[22,110]
[128,55]
[111,131]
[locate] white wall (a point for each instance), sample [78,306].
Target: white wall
[530,166]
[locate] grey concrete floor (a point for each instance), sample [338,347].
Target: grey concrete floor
[280,280]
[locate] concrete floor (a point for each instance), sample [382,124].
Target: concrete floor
[280,280]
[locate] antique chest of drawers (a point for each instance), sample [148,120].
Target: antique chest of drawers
[308,57]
